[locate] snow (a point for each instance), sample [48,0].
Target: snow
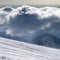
[15,50]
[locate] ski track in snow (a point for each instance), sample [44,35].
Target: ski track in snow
[15,50]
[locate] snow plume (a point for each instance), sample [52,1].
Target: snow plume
[23,20]
[26,21]
[3,14]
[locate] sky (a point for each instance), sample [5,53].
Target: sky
[30,2]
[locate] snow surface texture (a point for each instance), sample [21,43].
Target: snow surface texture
[14,50]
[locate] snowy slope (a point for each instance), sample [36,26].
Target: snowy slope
[14,50]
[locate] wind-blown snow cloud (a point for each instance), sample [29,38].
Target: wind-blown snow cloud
[3,13]
[22,20]
[28,20]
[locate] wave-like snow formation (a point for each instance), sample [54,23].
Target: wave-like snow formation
[28,20]
[14,50]
[29,23]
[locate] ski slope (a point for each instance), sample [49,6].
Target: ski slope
[15,50]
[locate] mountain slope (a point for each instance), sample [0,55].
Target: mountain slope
[15,50]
